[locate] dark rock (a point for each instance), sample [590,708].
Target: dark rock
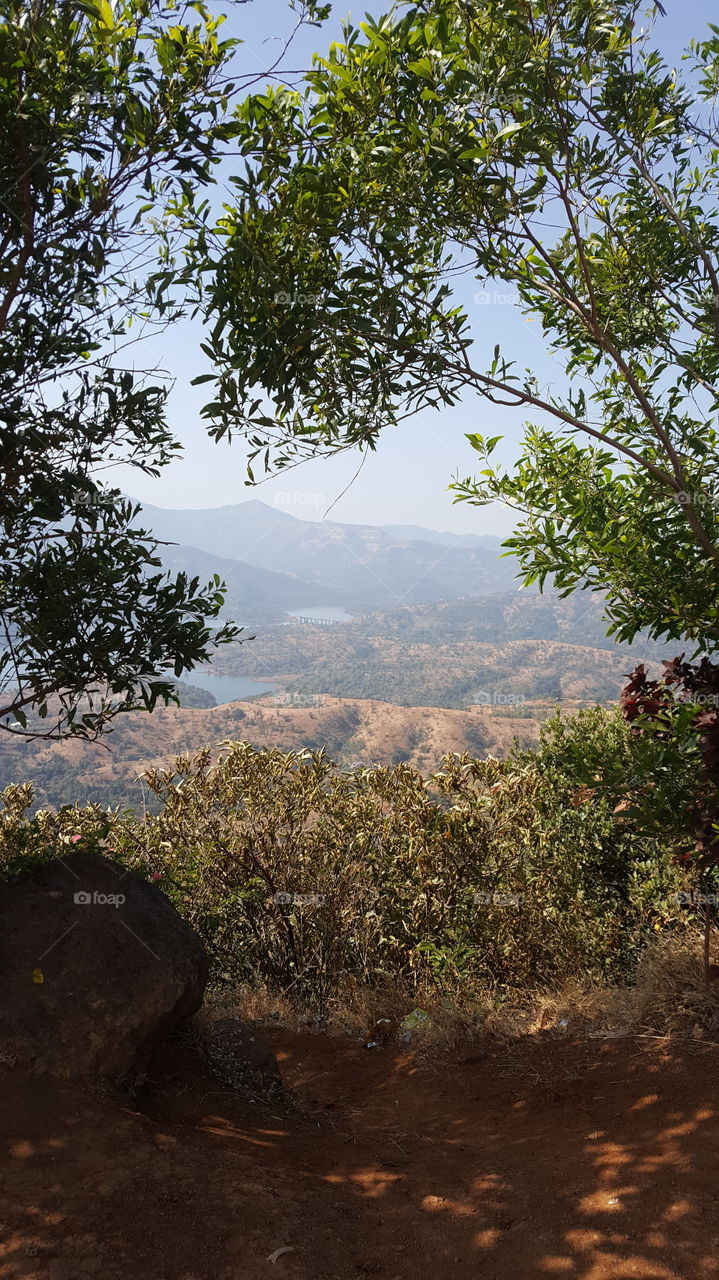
[96,968]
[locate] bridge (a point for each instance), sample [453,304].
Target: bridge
[318,622]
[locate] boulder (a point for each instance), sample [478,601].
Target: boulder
[96,968]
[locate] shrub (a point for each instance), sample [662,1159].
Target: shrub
[492,872]
[28,841]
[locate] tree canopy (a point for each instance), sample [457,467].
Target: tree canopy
[539,143]
[112,119]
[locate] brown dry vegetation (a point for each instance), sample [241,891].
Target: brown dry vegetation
[351,730]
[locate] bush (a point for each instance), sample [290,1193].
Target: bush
[501,875]
[498,873]
[28,841]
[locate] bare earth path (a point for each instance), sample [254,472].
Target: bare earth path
[597,1160]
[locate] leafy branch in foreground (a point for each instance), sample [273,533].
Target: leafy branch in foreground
[111,120]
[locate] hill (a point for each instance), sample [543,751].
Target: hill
[406,684]
[361,567]
[513,615]
[510,645]
[353,731]
[417,533]
[253,595]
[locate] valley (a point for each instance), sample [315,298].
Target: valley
[432,672]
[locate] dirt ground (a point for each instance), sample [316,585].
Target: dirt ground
[592,1159]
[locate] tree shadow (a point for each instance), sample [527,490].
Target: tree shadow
[591,1160]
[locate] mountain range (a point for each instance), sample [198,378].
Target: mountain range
[443,652]
[273,562]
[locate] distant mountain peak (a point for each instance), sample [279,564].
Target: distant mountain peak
[356,566]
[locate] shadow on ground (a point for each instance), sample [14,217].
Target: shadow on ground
[586,1159]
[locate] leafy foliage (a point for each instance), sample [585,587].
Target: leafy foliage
[494,874]
[678,719]
[489,871]
[30,841]
[111,118]
[538,143]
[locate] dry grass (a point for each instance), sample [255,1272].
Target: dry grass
[362,1013]
[669,998]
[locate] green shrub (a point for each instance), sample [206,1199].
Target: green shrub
[28,841]
[494,872]
[488,873]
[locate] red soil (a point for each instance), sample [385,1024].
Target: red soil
[596,1160]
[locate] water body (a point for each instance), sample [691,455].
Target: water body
[227,688]
[321,613]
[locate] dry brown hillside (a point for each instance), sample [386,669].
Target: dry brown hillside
[352,730]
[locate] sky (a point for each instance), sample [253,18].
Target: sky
[405,481]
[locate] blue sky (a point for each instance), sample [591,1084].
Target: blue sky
[405,481]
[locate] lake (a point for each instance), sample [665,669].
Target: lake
[227,688]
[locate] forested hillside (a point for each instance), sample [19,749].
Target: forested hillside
[505,646]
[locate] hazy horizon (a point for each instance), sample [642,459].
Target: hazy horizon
[281,507]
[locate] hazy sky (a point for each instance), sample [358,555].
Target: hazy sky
[406,480]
